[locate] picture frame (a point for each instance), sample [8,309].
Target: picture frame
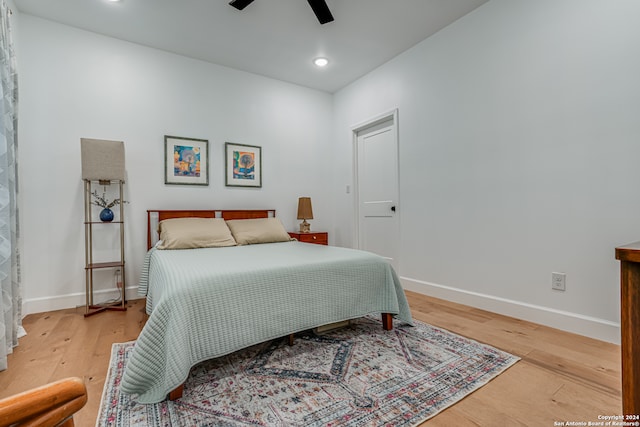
[186,161]
[243,165]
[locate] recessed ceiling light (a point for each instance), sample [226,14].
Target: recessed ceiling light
[321,62]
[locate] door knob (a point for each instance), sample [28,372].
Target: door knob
[393,208]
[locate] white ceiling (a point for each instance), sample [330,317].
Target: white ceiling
[273,38]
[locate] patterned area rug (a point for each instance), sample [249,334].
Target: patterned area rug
[359,375]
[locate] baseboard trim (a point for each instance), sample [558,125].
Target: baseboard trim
[61,302]
[592,327]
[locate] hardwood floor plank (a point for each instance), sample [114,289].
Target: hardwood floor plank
[561,377]
[577,371]
[64,343]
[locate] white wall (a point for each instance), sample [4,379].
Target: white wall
[519,150]
[76,84]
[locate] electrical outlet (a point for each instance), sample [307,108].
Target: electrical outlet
[559,281]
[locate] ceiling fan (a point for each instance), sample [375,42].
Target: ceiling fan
[319,7]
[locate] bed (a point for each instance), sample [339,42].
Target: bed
[207,302]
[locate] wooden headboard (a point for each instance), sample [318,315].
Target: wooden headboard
[155,216]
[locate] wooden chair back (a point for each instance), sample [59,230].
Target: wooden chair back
[50,405]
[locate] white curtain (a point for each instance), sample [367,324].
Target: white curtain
[11,303]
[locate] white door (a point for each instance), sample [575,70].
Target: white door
[377,189]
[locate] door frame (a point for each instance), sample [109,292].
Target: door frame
[355,129]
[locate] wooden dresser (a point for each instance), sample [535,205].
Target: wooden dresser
[317,237]
[629,256]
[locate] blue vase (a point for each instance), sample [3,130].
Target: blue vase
[106,215]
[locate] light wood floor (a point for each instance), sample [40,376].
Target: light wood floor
[561,377]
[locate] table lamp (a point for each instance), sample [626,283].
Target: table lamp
[304,213]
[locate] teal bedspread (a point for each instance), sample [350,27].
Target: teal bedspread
[205,303]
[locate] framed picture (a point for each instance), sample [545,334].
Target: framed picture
[186,161]
[243,165]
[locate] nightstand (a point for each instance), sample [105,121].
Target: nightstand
[317,237]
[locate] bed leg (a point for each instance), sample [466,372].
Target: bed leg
[176,393]
[387,321]
[290,339]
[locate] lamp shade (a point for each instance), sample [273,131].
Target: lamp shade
[304,208]
[102,159]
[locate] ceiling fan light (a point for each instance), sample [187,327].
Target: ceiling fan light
[321,62]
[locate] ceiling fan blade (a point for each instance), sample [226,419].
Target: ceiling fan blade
[321,10]
[240,4]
